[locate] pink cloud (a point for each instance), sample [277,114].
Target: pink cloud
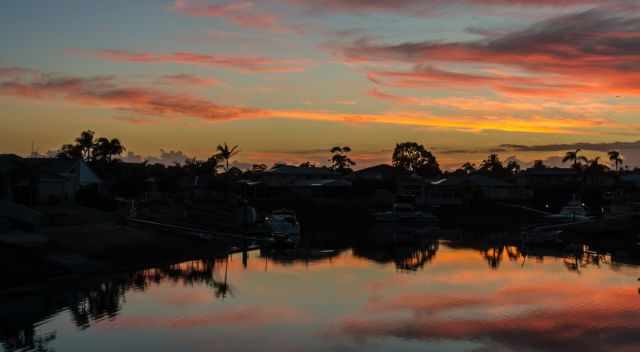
[598,46]
[243,63]
[241,317]
[189,80]
[105,92]
[242,13]
[510,318]
[421,7]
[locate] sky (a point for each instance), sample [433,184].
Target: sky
[288,79]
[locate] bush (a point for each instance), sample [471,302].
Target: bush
[91,197]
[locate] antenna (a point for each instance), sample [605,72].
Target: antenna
[34,150]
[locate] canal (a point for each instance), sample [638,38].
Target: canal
[439,296]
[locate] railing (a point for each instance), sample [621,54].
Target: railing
[198,233]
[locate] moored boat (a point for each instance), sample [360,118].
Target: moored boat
[404,213]
[284,228]
[574,211]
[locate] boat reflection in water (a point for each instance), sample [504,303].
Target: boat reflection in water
[462,293]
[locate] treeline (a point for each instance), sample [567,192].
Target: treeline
[411,157]
[91,149]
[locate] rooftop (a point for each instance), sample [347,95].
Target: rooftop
[300,171]
[479,180]
[549,171]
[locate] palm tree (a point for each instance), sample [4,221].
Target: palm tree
[595,163]
[225,153]
[574,157]
[616,158]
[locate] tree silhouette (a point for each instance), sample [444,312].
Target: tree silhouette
[468,168]
[70,151]
[414,157]
[492,164]
[539,164]
[105,149]
[575,158]
[513,167]
[259,167]
[594,166]
[199,167]
[85,143]
[225,153]
[89,149]
[340,160]
[616,158]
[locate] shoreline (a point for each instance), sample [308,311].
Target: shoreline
[62,260]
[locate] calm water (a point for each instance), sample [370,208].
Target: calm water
[440,297]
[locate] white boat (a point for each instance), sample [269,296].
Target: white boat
[572,212]
[405,213]
[284,227]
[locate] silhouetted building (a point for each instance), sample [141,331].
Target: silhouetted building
[459,190]
[61,179]
[380,173]
[412,186]
[548,177]
[9,165]
[288,176]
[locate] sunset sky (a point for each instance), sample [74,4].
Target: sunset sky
[288,79]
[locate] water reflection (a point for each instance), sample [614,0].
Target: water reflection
[97,300]
[465,293]
[405,258]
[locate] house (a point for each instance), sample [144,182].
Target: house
[10,167]
[322,187]
[631,180]
[459,190]
[59,178]
[382,173]
[548,177]
[413,187]
[288,176]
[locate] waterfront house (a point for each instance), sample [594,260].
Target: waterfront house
[382,173]
[548,177]
[286,176]
[10,167]
[459,190]
[58,179]
[411,187]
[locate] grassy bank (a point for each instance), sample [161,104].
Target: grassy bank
[68,251]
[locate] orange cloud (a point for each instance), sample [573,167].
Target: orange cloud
[488,105]
[533,124]
[105,92]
